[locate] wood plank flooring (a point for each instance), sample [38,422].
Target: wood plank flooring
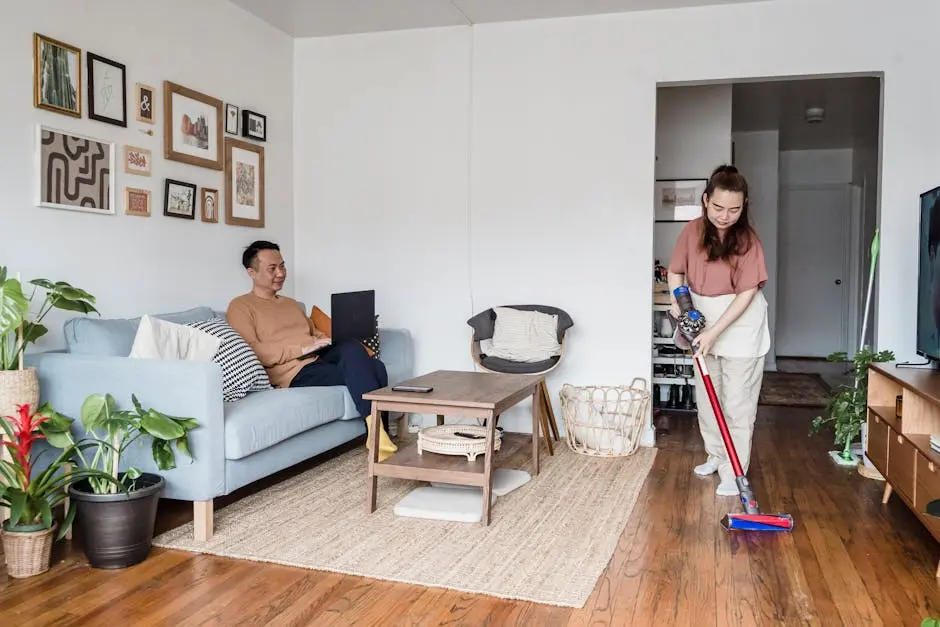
[849,561]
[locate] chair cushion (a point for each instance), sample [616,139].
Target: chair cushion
[115,336]
[498,364]
[242,372]
[261,420]
[527,336]
[484,323]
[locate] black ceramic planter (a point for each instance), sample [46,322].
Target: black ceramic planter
[117,529]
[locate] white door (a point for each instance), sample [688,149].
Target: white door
[812,295]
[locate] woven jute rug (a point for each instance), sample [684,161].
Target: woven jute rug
[794,389]
[547,542]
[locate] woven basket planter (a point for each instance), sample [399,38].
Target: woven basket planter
[18,387]
[27,553]
[605,421]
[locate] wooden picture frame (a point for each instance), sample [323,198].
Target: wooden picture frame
[254,125]
[74,171]
[107,90]
[137,161]
[53,90]
[179,199]
[244,183]
[145,98]
[192,127]
[137,202]
[210,205]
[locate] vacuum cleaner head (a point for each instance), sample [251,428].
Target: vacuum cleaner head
[757,522]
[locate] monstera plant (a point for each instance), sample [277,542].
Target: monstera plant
[18,327]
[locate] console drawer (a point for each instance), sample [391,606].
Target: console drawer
[928,489]
[901,460]
[877,446]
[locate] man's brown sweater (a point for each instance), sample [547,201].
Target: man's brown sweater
[277,329]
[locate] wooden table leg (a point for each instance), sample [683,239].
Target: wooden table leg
[374,456]
[440,419]
[536,401]
[488,470]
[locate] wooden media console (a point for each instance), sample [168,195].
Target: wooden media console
[899,444]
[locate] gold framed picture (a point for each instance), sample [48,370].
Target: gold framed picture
[137,202]
[57,76]
[137,161]
[146,97]
[244,183]
[210,205]
[192,126]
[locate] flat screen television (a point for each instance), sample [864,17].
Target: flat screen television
[928,277]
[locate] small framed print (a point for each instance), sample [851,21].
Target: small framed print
[57,76]
[107,90]
[679,200]
[210,205]
[137,202]
[254,125]
[244,183]
[137,161]
[179,200]
[231,119]
[146,97]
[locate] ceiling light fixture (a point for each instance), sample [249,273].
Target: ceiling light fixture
[814,115]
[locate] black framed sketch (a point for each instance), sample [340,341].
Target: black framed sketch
[179,200]
[254,125]
[107,90]
[231,119]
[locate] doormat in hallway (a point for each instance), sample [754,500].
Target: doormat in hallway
[794,389]
[548,541]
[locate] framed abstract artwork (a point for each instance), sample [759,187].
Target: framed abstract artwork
[137,161]
[244,183]
[179,200]
[74,171]
[107,90]
[57,76]
[137,202]
[192,129]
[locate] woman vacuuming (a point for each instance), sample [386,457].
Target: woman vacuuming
[720,258]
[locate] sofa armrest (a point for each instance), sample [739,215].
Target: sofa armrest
[397,354]
[178,388]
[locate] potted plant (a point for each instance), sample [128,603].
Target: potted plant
[847,409]
[19,385]
[27,534]
[116,513]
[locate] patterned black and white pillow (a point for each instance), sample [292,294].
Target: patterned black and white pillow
[242,372]
[373,343]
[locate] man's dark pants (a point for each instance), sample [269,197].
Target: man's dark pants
[346,363]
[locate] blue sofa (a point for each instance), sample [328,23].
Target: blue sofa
[238,442]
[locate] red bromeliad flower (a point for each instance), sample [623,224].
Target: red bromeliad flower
[24,434]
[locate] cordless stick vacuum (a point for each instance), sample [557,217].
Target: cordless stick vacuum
[690,323]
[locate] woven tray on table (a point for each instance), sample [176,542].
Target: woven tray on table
[441,439]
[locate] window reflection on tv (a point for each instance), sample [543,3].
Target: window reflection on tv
[928,276]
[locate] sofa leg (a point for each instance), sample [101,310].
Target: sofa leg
[202,520]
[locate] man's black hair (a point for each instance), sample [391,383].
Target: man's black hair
[251,252]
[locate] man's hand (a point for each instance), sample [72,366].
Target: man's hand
[317,345]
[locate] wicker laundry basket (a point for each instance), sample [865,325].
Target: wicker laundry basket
[27,553]
[605,421]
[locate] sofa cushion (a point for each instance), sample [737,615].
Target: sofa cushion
[242,372]
[159,339]
[115,336]
[262,419]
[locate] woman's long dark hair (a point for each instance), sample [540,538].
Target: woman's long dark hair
[737,240]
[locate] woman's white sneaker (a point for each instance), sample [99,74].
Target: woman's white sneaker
[727,488]
[710,467]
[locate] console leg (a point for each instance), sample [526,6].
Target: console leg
[202,520]
[887,494]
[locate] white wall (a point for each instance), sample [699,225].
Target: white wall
[561,119]
[693,130]
[815,167]
[757,155]
[137,265]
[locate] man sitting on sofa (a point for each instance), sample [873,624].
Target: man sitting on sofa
[285,340]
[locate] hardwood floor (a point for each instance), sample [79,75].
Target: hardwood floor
[849,561]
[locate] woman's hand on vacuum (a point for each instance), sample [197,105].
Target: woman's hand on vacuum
[674,309]
[704,341]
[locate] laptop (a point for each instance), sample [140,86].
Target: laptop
[352,317]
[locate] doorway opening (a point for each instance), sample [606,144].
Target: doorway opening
[810,147]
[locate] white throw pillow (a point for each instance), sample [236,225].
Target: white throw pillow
[526,336]
[159,339]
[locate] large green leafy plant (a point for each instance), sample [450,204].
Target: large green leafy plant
[847,409]
[17,328]
[111,431]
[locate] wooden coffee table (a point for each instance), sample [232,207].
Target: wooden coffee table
[482,395]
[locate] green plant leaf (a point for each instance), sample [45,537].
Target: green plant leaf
[163,455]
[67,521]
[14,306]
[17,500]
[183,445]
[96,410]
[160,426]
